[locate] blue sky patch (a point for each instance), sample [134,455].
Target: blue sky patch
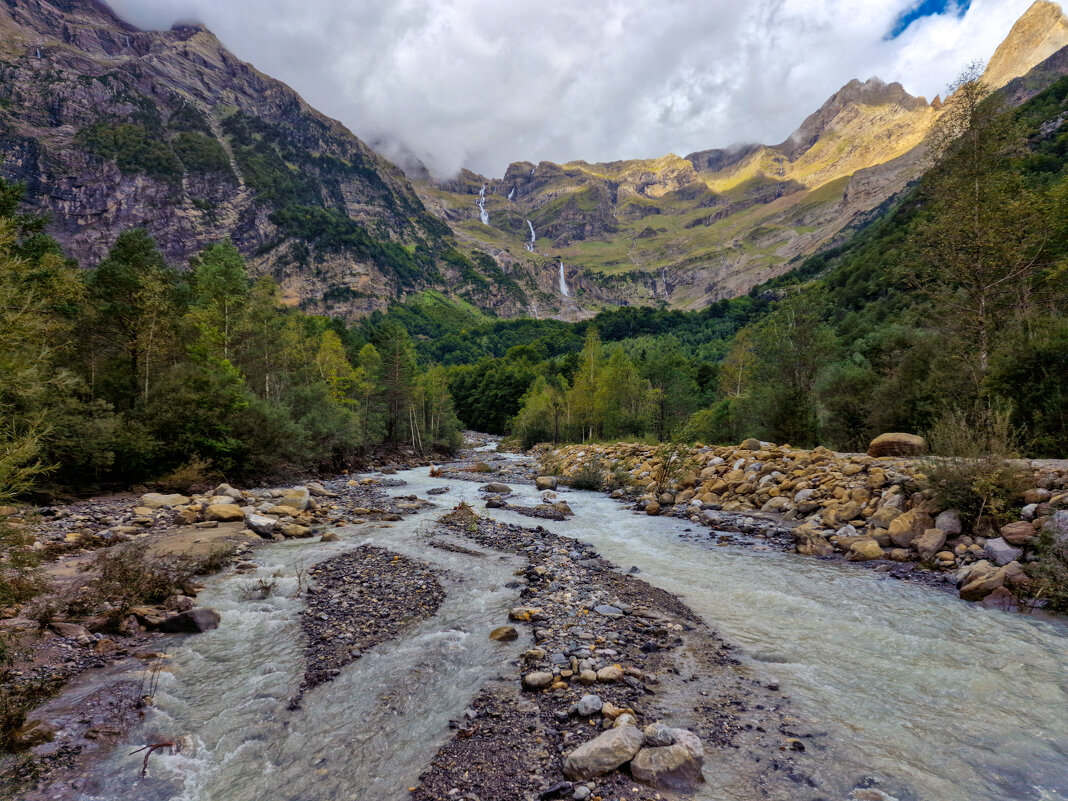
[927,8]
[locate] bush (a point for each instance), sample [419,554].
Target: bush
[194,475]
[128,576]
[20,578]
[589,476]
[1050,572]
[969,468]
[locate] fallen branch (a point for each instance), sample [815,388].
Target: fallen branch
[150,749]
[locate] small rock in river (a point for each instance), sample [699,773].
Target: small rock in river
[504,634]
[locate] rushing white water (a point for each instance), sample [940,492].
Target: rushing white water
[563,283]
[511,193]
[367,734]
[940,699]
[530,244]
[936,699]
[481,203]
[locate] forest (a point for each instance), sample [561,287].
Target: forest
[134,370]
[948,306]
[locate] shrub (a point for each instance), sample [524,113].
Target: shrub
[20,578]
[969,468]
[1050,572]
[589,476]
[129,576]
[196,474]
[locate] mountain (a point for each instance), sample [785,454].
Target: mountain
[1037,35]
[688,231]
[111,127]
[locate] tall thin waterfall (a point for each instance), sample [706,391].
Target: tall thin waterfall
[530,245]
[481,203]
[563,283]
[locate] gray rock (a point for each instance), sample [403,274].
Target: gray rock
[674,767]
[538,680]
[154,500]
[298,498]
[545,483]
[588,705]
[1058,526]
[71,630]
[497,487]
[261,524]
[949,522]
[191,621]
[1000,552]
[608,610]
[603,754]
[657,734]
[581,793]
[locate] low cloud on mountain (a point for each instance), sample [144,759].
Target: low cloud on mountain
[479,83]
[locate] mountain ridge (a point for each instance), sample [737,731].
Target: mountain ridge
[111,127]
[689,231]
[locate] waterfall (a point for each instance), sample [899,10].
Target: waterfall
[481,203]
[563,282]
[38,52]
[127,38]
[530,244]
[511,194]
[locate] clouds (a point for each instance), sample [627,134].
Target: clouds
[480,83]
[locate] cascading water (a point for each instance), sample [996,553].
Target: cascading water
[511,193]
[934,698]
[481,203]
[530,245]
[563,283]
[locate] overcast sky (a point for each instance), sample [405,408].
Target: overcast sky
[481,83]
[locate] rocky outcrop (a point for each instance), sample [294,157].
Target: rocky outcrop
[1037,35]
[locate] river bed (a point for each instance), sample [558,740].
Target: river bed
[921,695]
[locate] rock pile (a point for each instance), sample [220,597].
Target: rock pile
[861,506]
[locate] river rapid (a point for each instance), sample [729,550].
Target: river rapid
[918,693]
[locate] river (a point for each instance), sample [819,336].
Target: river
[929,697]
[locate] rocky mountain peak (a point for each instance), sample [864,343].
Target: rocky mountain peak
[872,92]
[1037,35]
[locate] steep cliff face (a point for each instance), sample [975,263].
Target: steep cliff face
[112,127]
[1037,35]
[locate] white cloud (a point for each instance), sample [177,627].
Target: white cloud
[480,83]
